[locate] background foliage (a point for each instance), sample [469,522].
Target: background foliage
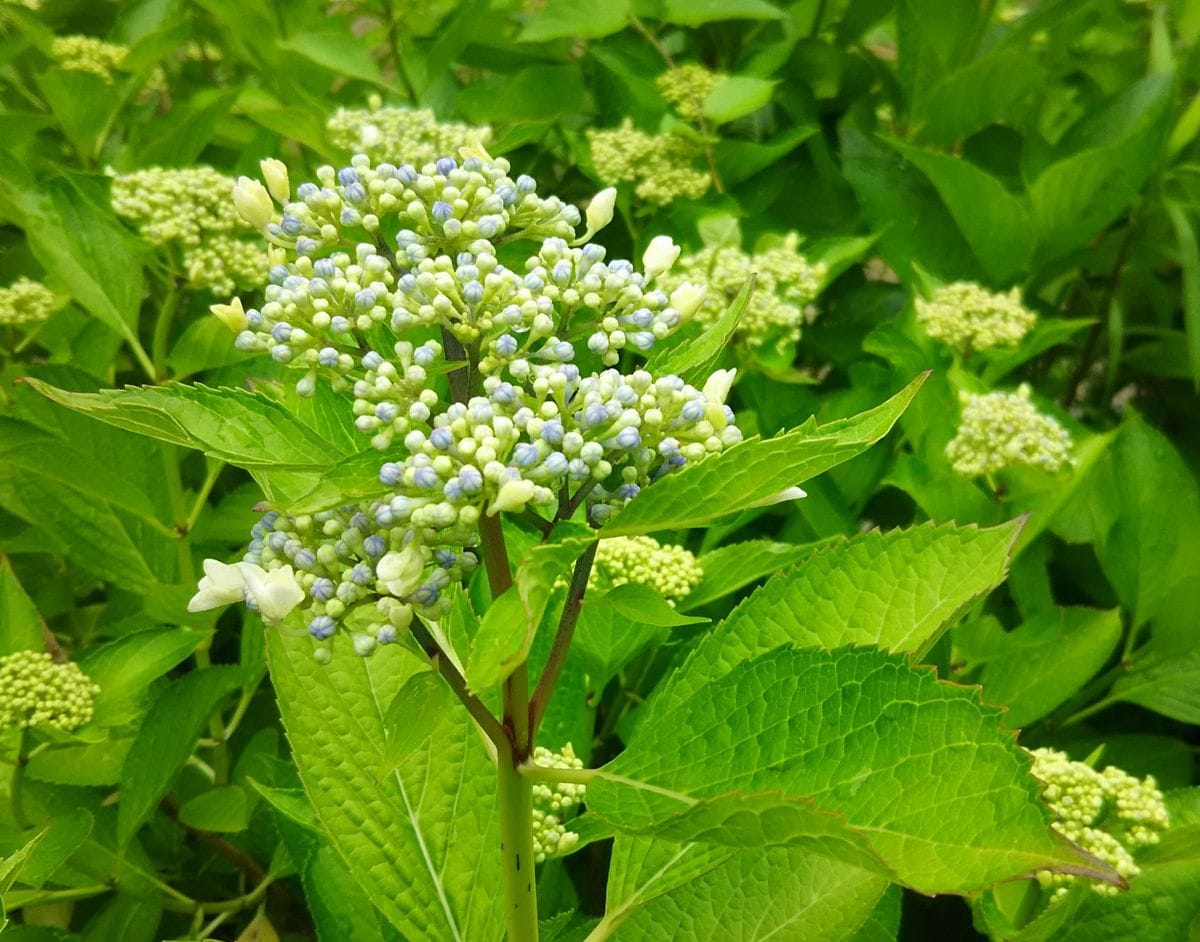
[1050,147]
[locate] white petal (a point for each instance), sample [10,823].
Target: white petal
[221,585]
[275,593]
[716,389]
[660,256]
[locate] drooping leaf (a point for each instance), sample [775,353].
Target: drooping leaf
[755,471]
[812,748]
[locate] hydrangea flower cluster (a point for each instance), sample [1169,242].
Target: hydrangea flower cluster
[79,53]
[36,690]
[552,802]
[671,571]
[1004,430]
[190,207]
[783,294]
[488,389]
[662,167]
[26,301]
[686,87]
[968,317]
[1108,813]
[380,131]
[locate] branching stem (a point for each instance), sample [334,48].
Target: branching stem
[561,645]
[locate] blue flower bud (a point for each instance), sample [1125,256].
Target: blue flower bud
[555,464]
[384,516]
[628,438]
[365,299]
[305,559]
[374,545]
[347,175]
[246,341]
[425,478]
[507,194]
[350,217]
[442,211]
[552,432]
[533,282]
[472,292]
[406,237]
[526,184]
[390,473]
[278,274]
[506,345]
[362,574]
[306,191]
[643,340]
[525,455]
[441,438]
[426,595]
[562,273]
[692,411]
[386,411]
[328,356]
[628,491]
[290,225]
[387,634]
[277,541]
[406,172]
[564,351]
[488,226]
[339,324]
[598,342]
[321,627]
[445,165]
[325,267]
[470,479]
[355,193]
[594,415]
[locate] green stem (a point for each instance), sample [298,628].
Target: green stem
[18,781]
[515,792]
[161,339]
[215,468]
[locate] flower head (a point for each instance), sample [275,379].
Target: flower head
[554,803]
[968,317]
[26,302]
[1108,813]
[390,133]
[79,53]
[662,167]
[686,87]
[671,571]
[36,690]
[1004,430]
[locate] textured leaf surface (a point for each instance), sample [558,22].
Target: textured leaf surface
[421,840]
[838,737]
[729,568]
[755,471]
[234,425]
[894,590]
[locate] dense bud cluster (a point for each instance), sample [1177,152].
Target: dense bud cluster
[671,571]
[783,294]
[662,167]
[26,301]
[88,54]
[36,690]
[1005,430]
[190,208]
[1108,813]
[518,404]
[686,87]
[381,131]
[968,317]
[553,802]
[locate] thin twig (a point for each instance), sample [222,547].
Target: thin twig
[445,666]
[561,645]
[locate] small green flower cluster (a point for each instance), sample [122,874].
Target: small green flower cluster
[552,801]
[26,301]
[190,207]
[36,690]
[786,287]
[382,132]
[662,167]
[79,53]
[1005,430]
[1108,813]
[686,87]
[968,317]
[671,571]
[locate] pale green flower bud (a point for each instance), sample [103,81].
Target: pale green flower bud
[512,496]
[660,255]
[232,315]
[27,302]
[1003,430]
[687,298]
[275,172]
[671,571]
[35,690]
[600,211]
[716,388]
[968,317]
[253,202]
[400,571]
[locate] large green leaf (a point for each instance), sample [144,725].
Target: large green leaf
[754,471]
[814,748]
[729,568]
[1166,681]
[566,19]
[420,840]
[233,425]
[694,359]
[124,669]
[20,623]
[897,591]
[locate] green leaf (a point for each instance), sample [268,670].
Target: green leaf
[739,160]
[1189,263]
[699,12]
[851,730]
[643,605]
[413,714]
[1080,195]
[1167,682]
[66,831]
[729,568]
[179,137]
[167,737]
[607,641]
[755,471]
[223,810]
[339,52]
[510,623]
[566,19]
[234,425]
[694,360]
[1154,544]
[995,223]
[124,669]
[737,96]
[20,623]
[897,591]
[421,840]
[785,893]
[1037,667]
